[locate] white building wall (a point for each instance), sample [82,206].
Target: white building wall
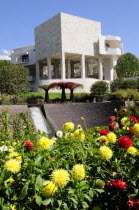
[79,35]
[16,55]
[5,57]
[48,38]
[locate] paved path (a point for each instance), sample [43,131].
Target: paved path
[14,109]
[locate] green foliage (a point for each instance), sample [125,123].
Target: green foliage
[120,83]
[13,79]
[132,94]
[121,94]
[137,84]
[129,84]
[127,66]
[99,88]
[82,97]
[116,84]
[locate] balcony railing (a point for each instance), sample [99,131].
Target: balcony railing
[113,51]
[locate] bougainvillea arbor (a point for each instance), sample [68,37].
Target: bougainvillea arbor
[62,85]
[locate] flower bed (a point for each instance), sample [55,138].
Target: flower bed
[74,170]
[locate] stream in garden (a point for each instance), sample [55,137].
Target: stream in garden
[39,120]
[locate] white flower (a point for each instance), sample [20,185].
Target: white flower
[54,138]
[59,134]
[3,148]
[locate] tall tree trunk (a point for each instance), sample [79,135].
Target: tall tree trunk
[46,96]
[72,98]
[63,96]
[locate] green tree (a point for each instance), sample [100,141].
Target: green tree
[14,79]
[127,66]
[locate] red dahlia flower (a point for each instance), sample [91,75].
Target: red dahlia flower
[112,118]
[104,132]
[131,131]
[133,203]
[133,119]
[125,142]
[111,127]
[117,184]
[28,145]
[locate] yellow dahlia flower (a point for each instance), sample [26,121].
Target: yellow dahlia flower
[19,158]
[79,127]
[8,181]
[105,152]
[78,171]
[69,126]
[99,183]
[11,149]
[136,128]
[44,143]
[132,150]
[12,155]
[60,177]
[13,207]
[103,140]
[125,121]
[13,166]
[49,189]
[79,135]
[111,137]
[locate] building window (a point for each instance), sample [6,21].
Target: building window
[25,58]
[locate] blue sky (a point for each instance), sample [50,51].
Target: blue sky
[19,18]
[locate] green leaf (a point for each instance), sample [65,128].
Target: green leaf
[23,192]
[38,160]
[38,183]
[71,191]
[91,193]
[59,203]
[38,199]
[1,200]
[46,202]
[99,190]
[74,201]
[88,198]
[85,205]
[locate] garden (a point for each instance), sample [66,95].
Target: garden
[76,169]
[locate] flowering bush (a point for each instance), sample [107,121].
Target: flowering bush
[74,170]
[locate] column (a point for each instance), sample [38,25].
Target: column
[83,66]
[49,67]
[63,65]
[37,73]
[100,68]
[113,63]
[72,70]
[68,69]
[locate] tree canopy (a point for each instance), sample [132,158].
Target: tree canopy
[14,79]
[127,66]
